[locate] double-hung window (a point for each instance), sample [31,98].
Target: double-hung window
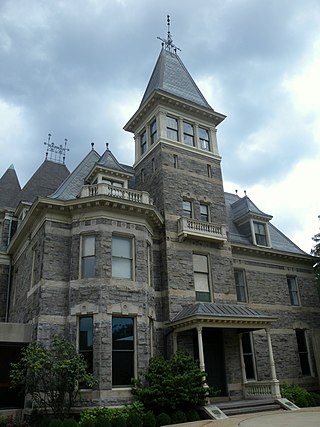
[201,277]
[85,340]
[187,208]
[153,131]
[204,139]
[122,257]
[172,128]
[248,355]
[122,351]
[88,256]
[188,133]
[260,233]
[204,212]
[143,142]
[293,290]
[303,352]
[241,286]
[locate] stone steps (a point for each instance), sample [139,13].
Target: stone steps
[248,406]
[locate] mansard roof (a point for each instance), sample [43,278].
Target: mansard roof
[279,242]
[9,188]
[244,207]
[43,182]
[171,76]
[71,187]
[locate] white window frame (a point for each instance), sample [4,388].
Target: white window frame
[294,294]
[82,256]
[253,231]
[240,286]
[201,273]
[252,354]
[118,257]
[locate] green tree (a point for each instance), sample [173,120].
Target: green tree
[176,384]
[315,251]
[51,375]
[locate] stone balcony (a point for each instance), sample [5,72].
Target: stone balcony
[194,229]
[126,194]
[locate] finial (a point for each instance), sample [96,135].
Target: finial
[56,153]
[236,191]
[92,145]
[168,43]
[107,145]
[245,192]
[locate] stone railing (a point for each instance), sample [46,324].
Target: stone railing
[262,390]
[188,227]
[117,192]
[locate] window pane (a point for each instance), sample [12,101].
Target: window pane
[121,247]
[200,263]
[201,282]
[88,269]
[204,213]
[187,208]
[203,296]
[122,368]
[172,123]
[88,245]
[204,139]
[240,286]
[303,352]
[122,333]
[187,128]
[248,356]
[121,268]
[85,333]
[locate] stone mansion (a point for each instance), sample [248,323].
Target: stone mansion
[128,262]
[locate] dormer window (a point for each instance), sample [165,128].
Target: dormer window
[112,182]
[188,133]
[143,142]
[204,139]
[172,128]
[260,233]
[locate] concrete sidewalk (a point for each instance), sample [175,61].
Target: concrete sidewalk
[306,417]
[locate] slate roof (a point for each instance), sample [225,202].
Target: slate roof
[71,187]
[43,182]
[171,76]
[109,161]
[279,241]
[207,309]
[9,188]
[244,206]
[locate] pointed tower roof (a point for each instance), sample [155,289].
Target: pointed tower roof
[9,188]
[43,182]
[244,207]
[171,76]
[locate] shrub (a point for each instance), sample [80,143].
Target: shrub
[163,419]
[56,423]
[70,422]
[193,415]
[149,420]
[118,421]
[175,384]
[178,417]
[299,396]
[134,420]
[11,422]
[102,422]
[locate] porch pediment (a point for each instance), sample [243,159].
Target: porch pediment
[220,316]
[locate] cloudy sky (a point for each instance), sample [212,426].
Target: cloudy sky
[78,68]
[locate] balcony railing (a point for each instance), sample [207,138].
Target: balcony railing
[262,390]
[117,192]
[192,228]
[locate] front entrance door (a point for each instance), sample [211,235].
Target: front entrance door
[214,358]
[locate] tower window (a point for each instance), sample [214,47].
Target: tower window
[143,142]
[187,208]
[201,277]
[153,131]
[85,340]
[88,256]
[122,351]
[241,285]
[209,171]
[188,133]
[204,139]
[293,290]
[172,128]
[175,161]
[204,212]
[260,233]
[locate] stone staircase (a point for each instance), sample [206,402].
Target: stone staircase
[247,406]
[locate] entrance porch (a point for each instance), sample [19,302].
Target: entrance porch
[220,337]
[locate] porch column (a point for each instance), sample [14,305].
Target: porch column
[275,388]
[175,342]
[243,366]
[200,346]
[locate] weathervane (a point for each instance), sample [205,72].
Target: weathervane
[56,153]
[168,43]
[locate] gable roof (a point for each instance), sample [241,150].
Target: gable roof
[71,187]
[108,161]
[279,241]
[171,76]
[43,182]
[9,188]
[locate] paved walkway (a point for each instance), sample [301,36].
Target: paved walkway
[307,417]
